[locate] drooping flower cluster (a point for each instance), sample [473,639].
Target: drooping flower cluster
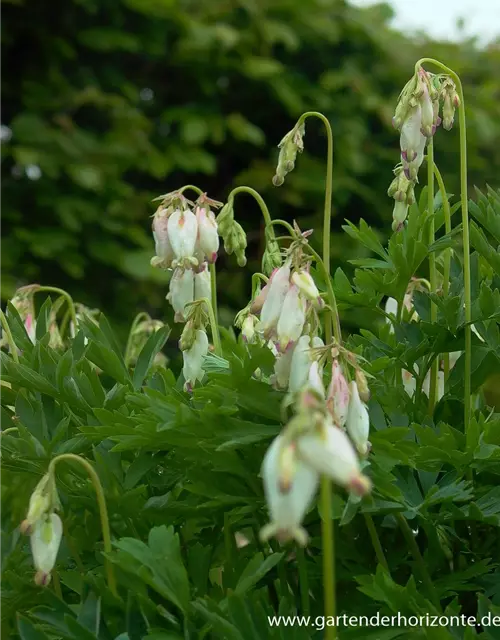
[318,440]
[194,345]
[291,144]
[44,527]
[186,240]
[417,118]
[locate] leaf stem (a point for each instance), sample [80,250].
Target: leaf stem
[10,339]
[142,315]
[303,581]
[101,501]
[377,545]
[66,295]
[417,556]
[447,254]
[432,269]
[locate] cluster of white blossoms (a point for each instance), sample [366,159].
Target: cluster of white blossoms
[329,428]
[187,241]
[326,435]
[417,118]
[44,527]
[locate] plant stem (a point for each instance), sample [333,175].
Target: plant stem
[465,234]
[103,512]
[213,325]
[327,216]
[331,318]
[213,292]
[68,298]
[5,432]
[228,544]
[271,241]
[377,546]
[447,254]
[432,268]
[192,187]
[142,315]
[57,584]
[10,339]
[303,581]
[417,556]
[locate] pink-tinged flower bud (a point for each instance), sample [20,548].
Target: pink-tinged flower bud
[45,541]
[286,508]
[260,298]
[30,326]
[410,134]
[248,328]
[183,233]
[427,111]
[271,309]
[448,112]
[193,360]
[358,421]
[202,284]
[163,248]
[331,453]
[42,500]
[361,381]
[315,378]
[337,399]
[307,287]
[282,368]
[181,292]
[292,318]
[208,238]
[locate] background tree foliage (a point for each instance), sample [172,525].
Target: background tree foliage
[118,101]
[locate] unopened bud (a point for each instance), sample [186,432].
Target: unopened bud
[364,391]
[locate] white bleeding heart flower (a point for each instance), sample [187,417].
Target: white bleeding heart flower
[163,248]
[331,453]
[45,541]
[411,168]
[358,421]
[301,363]
[410,134]
[193,360]
[409,382]
[315,378]
[248,328]
[289,500]
[260,298]
[181,292]
[271,309]
[292,318]
[208,237]
[282,367]
[202,284]
[337,399]
[307,287]
[183,233]
[427,127]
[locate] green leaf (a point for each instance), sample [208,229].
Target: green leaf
[28,631]
[145,360]
[255,570]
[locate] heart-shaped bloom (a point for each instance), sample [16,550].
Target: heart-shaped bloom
[292,318]
[315,378]
[273,304]
[208,237]
[181,292]
[193,360]
[202,284]
[282,367]
[301,362]
[330,452]
[248,328]
[260,298]
[410,134]
[358,420]
[45,541]
[163,248]
[289,487]
[183,233]
[337,398]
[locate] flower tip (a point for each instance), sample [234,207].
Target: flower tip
[42,579]
[360,485]
[25,528]
[278,180]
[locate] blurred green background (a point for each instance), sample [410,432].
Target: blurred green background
[108,103]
